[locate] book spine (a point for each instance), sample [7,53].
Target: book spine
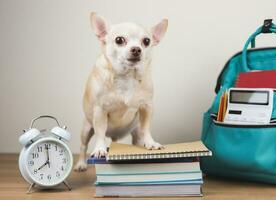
[158,156]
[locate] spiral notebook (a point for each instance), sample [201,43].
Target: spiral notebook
[119,151]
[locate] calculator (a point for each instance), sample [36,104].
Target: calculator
[249,106]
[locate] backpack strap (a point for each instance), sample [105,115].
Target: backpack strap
[268,27]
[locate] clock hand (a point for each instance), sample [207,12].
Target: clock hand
[42,165]
[48,159]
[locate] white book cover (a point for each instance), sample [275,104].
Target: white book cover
[146,168]
[149,191]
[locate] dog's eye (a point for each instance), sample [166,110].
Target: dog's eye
[146,42]
[120,40]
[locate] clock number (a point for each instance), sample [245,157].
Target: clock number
[56,147]
[61,152]
[62,168]
[49,177]
[64,160]
[57,174]
[47,146]
[39,149]
[41,176]
[31,162]
[35,155]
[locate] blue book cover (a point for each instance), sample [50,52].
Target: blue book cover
[102,160]
[181,182]
[93,160]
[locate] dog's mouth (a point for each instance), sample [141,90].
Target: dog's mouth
[133,60]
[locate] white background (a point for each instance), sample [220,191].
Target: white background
[47,49]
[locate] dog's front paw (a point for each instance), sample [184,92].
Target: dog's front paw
[151,144]
[80,166]
[99,151]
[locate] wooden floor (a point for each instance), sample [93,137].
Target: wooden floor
[12,186]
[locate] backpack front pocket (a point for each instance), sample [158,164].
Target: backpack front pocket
[242,151]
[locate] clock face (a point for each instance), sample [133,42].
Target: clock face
[49,162]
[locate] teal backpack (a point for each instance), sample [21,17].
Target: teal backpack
[245,152]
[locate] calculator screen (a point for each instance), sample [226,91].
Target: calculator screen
[249,97]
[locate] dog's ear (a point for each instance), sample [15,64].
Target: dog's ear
[158,31]
[99,25]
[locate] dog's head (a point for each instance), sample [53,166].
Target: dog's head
[127,45]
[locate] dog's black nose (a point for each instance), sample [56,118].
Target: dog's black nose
[135,51]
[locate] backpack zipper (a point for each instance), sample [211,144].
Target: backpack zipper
[271,125]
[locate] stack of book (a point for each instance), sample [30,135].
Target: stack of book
[132,171]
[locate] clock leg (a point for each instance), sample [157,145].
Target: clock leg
[30,188]
[67,185]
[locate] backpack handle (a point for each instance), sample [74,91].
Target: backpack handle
[268,27]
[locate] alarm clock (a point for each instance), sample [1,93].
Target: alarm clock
[45,159]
